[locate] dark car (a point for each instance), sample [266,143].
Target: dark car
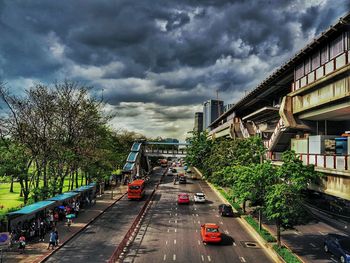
[182,180]
[339,246]
[225,210]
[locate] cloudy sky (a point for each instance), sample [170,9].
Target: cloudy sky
[156,61]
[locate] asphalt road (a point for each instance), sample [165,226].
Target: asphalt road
[98,241]
[171,232]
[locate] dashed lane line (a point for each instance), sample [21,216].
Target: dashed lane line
[174,241]
[164,257]
[199,242]
[242,259]
[209,258]
[313,245]
[202,257]
[174,257]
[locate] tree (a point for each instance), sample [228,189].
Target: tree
[283,199]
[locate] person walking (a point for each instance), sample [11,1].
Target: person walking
[52,240]
[56,236]
[22,243]
[41,231]
[69,222]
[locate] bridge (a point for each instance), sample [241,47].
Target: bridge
[137,162]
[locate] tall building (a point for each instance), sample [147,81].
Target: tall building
[212,109]
[198,122]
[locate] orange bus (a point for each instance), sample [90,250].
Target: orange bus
[136,189]
[164,163]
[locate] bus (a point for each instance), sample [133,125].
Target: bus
[136,189]
[164,163]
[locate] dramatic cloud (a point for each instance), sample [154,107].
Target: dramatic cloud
[156,61]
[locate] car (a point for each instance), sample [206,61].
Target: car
[199,198]
[210,233]
[182,180]
[225,210]
[183,198]
[339,246]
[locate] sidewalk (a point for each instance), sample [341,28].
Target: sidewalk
[36,251]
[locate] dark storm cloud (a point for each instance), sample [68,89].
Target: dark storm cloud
[163,52]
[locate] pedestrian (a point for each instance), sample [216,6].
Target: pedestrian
[41,231]
[52,240]
[22,243]
[69,222]
[51,219]
[56,236]
[56,218]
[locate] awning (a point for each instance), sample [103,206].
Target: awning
[33,208]
[128,167]
[132,157]
[63,196]
[136,147]
[84,188]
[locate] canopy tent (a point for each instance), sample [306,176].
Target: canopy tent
[64,196]
[33,208]
[128,167]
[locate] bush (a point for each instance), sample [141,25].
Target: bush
[263,232]
[286,254]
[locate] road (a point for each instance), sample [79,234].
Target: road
[98,241]
[170,232]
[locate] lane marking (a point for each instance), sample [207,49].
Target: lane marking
[199,222]
[226,232]
[196,214]
[313,245]
[217,215]
[202,257]
[166,242]
[242,259]
[196,230]
[175,221]
[169,221]
[174,241]
[221,222]
[323,234]
[195,209]
[297,233]
[164,257]
[199,242]
[176,214]
[175,230]
[209,258]
[234,244]
[174,257]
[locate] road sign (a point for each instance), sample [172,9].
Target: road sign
[4,238]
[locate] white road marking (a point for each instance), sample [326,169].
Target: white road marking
[192,214]
[174,257]
[297,233]
[175,214]
[323,234]
[242,259]
[169,221]
[175,221]
[313,245]
[166,242]
[226,232]
[202,257]
[199,222]
[175,230]
[234,244]
[217,215]
[169,214]
[334,260]
[195,209]
[209,258]
[221,222]
[199,242]
[196,214]
[168,230]
[164,257]
[174,241]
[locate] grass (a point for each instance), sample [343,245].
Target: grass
[286,254]
[12,200]
[263,232]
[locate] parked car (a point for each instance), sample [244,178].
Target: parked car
[339,246]
[199,198]
[183,198]
[210,233]
[225,210]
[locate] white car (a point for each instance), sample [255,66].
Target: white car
[199,198]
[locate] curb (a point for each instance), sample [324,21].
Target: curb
[46,256]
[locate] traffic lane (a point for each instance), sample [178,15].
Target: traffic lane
[97,242]
[235,235]
[307,241]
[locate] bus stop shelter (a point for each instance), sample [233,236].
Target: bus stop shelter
[64,197]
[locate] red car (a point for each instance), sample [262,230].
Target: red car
[210,233]
[183,198]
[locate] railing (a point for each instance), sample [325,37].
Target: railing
[166,151]
[244,130]
[327,161]
[279,127]
[335,63]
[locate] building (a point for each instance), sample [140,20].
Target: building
[304,106]
[212,109]
[198,122]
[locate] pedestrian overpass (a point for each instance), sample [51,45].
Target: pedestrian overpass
[137,163]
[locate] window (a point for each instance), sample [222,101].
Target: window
[324,55]
[299,71]
[307,66]
[336,46]
[315,61]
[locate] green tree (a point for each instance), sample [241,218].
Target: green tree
[284,199]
